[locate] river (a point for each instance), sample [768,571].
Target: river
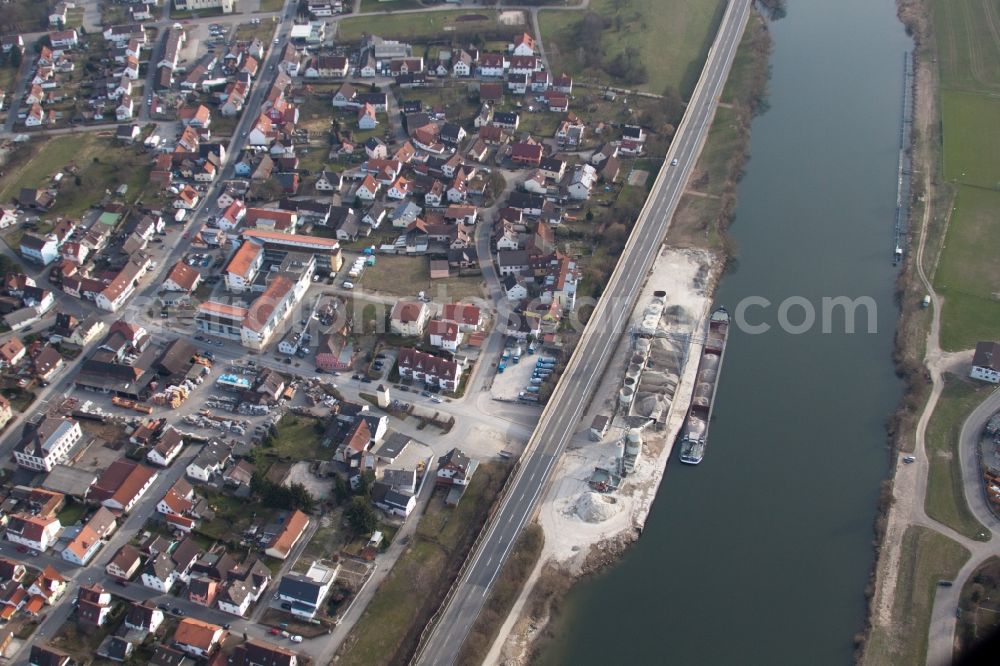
[761,554]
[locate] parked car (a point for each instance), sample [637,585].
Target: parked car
[296,639]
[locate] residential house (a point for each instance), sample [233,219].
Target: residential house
[368,189]
[47,443]
[367,119]
[570,134]
[455,468]
[508,120]
[513,262]
[376,149]
[432,370]
[122,485]
[444,335]
[563,83]
[34,532]
[12,570]
[541,81]
[44,655]
[203,591]
[12,352]
[582,181]
[291,533]
[93,605]
[557,102]
[242,268]
[400,189]
[517,83]
[50,585]
[468,317]
[169,566]
[168,446]
[456,214]
[255,652]
[986,362]
[125,108]
[492,65]
[35,117]
[409,318]
[125,563]
[524,45]
[198,639]
[40,249]
[64,40]
[180,284]
[392,500]
[143,616]
[210,461]
[527,153]
[329,181]
[553,168]
[306,592]
[82,547]
[458,190]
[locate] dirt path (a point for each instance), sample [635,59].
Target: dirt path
[910,480]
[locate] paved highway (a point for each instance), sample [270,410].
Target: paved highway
[565,408]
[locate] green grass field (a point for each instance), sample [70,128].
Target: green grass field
[411,590]
[368,6]
[72,513]
[945,500]
[405,276]
[417,26]
[968,41]
[926,558]
[968,275]
[971,142]
[115,165]
[672,36]
[297,438]
[271,5]
[980,605]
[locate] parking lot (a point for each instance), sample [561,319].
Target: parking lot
[515,378]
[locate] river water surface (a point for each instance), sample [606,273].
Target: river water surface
[761,553]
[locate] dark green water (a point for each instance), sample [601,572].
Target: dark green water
[760,555]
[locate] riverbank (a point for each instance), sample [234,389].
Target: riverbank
[900,610]
[585,532]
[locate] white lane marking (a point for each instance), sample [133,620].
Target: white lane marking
[666,197]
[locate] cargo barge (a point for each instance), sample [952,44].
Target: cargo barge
[695,439]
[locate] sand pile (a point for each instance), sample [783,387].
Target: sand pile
[596,508]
